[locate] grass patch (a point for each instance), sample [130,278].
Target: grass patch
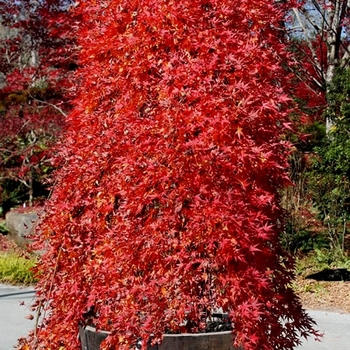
[15,269]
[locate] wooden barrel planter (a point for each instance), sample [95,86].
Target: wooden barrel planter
[92,339]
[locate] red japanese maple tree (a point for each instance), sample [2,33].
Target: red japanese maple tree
[167,204]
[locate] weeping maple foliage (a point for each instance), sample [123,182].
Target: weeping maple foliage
[167,203]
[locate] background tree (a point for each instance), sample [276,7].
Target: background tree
[319,39]
[36,58]
[329,175]
[320,31]
[167,204]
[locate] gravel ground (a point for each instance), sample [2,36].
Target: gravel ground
[321,295]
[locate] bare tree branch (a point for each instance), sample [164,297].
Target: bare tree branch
[308,40]
[49,104]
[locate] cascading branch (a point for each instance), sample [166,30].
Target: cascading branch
[167,202]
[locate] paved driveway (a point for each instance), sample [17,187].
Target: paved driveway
[13,324]
[14,307]
[336,329]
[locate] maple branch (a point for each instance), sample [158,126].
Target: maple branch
[38,314]
[49,104]
[14,154]
[318,8]
[309,19]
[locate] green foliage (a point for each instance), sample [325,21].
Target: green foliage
[297,237]
[339,102]
[330,258]
[320,259]
[320,170]
[316,133]
[301,232]
[3,228]
[328,178]
[15,269]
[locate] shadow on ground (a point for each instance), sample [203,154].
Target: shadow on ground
[331,275]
